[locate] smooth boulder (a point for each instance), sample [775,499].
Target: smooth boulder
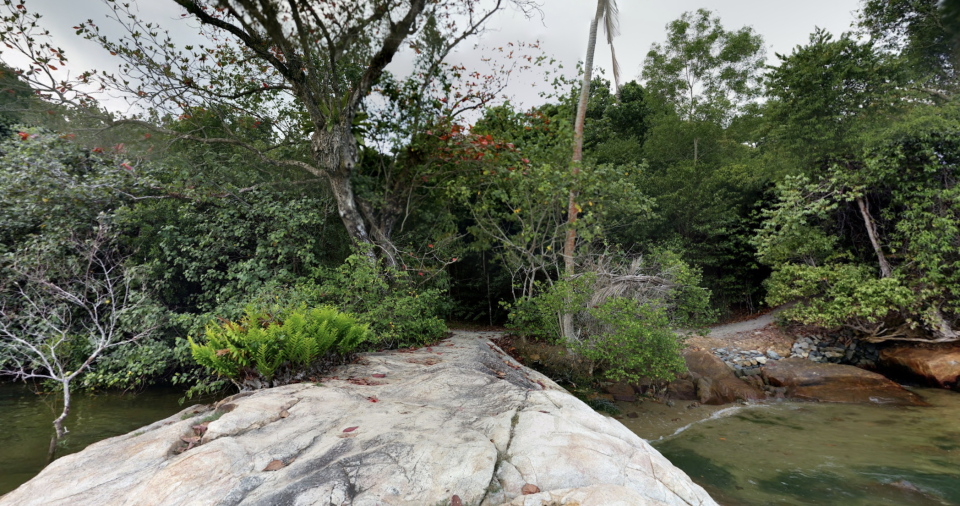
[937,366]
[403,428]
[715,383]
[814,381]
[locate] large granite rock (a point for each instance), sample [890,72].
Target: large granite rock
[715,383]
[460,418]
[814,381]
[938,366]
[594,495]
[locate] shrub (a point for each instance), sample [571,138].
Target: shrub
[397,310]
[262,343]
[635,342]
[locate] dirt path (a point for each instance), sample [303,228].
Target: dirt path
[733,329]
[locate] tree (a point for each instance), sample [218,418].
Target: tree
[60,306]
[917,32]
[608,13]
[704,72]
[303,67]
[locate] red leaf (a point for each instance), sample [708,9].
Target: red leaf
[378,375]
[373,399]
[350,429]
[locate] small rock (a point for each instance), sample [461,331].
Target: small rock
[761,360]
[530,489]
[633,415]
[284,413]
[670,404]
[773,355]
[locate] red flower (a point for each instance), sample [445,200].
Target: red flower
[126,166]
[23,135]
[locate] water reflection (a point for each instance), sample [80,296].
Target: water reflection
[813,454]
[26,419]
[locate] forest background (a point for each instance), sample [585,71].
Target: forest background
[267,173]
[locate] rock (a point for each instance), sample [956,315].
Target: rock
[633,414]
[715,382]
[682,390]
[836,383]
[621,392]
[450,427]
[939,366]
[761,360]
[595,495]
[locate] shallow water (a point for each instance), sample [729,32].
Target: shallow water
[789,453]
[27,422]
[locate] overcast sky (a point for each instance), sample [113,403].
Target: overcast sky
[562,31]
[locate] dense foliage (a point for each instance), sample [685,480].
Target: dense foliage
[712,184]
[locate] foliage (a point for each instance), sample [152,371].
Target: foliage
[262,342]
[704,72]
[398,310]
[636,342]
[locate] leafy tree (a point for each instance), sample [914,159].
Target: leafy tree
[704,72]
[304,67]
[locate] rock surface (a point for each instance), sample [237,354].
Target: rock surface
[939,367]
[594,495]
[459,418]
[808,380]
[715,382]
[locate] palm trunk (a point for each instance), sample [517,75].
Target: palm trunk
[569,247]
[885,271]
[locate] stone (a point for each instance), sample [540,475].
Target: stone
[450,427]
[682,390]
[761,360]
[937,366]
[621,392]
[595,495]
[808,380]
[715,382]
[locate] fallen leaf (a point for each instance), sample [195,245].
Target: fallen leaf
[284,413]
[274,465]
[373,399]
[723,439]
[350,429]
[379,375]
[529,489]
[192,440]
[455,501]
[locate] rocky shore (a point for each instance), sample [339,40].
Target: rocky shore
[456,423]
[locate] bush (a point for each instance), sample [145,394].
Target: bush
[399,312]
[263,344]
[636,342]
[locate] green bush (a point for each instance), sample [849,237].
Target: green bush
[263,343]
[399,312]
[636,342]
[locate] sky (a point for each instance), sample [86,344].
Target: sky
[562,31]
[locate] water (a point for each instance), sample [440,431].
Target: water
[27,422]
[791,454]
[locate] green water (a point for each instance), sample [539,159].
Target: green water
[813,454]
[27,418]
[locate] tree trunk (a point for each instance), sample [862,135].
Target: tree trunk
[336,151]
[569,247]
[58,423]
[885,271]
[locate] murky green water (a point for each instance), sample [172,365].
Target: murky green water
[26,420]
[813,454]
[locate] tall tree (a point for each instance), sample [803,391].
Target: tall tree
[608,14]
[703,71]
[303,67]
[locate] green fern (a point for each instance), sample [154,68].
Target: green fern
[259,340]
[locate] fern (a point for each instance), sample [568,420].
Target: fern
[262,342]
